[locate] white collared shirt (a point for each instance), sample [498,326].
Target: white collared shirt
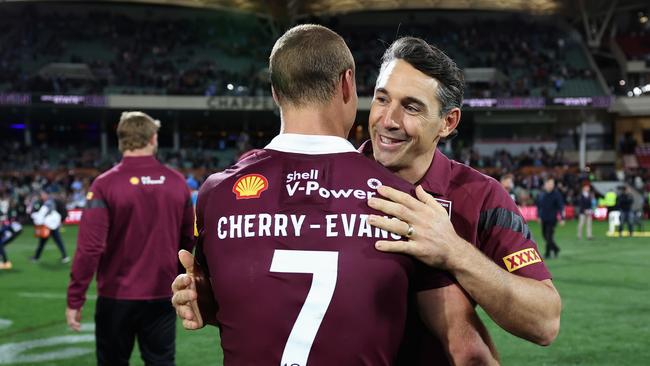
[310,144]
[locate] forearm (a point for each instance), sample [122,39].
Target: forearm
[522,306]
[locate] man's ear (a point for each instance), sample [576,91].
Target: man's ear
[451,121]
[154,139]
[348,85]
[275,96]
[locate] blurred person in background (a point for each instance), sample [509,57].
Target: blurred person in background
[586,205]
[508,183]
[48,223]
[624,202]
[550,206]
[138,215]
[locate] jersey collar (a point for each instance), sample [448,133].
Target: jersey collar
[310,144]
[436,179]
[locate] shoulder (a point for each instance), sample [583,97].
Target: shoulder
[173,173]
[240,167]
[480,188]
[106,177]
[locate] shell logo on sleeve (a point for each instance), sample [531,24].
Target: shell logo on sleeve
[521,259]
[134,180]
[250,186]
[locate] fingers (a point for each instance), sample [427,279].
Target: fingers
[181,282]
[73,318]
[187,260]
[393,225]
[428,199]
[183,297]
[398,196]
[191,325]
[403,247]
[391,208]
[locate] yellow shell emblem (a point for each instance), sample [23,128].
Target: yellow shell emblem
[134,180]
[250,186]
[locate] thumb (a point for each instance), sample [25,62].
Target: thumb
[187,260]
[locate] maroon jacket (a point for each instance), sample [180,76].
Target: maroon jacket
[138,215]
[292,260]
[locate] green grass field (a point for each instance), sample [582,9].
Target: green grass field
[603,283]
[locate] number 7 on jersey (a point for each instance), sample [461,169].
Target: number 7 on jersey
[324,267]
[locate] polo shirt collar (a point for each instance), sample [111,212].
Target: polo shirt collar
[139,160]
[310,144]
[436,179]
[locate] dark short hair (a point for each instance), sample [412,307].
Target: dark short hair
[306,64]
[433,62]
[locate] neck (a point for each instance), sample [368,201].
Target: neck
[418,168]
[145,151]
[312,120]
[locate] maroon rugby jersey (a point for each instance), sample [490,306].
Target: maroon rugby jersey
[138,215]
[483,214]
[292,260]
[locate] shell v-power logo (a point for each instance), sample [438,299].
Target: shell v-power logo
[250,186]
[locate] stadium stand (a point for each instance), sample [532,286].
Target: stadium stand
[123,50]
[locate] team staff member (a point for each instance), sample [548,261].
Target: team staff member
[550,205]
[479,235]
[138,215]
[312,73]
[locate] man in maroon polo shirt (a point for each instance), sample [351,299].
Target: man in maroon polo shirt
[138,215]
[464,222]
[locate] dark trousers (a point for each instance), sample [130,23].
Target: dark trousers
[56,235]
[3,254]
[626,217]
[548,230]
[119,322]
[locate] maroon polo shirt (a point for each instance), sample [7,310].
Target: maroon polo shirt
[483,214]
[292,261]
[138,215]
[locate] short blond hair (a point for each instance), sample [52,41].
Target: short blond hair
[135,130]
[306,64]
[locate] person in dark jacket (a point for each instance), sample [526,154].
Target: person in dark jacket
[586,204]
[624,203]
[550,205]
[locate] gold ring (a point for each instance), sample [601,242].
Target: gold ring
[410,231]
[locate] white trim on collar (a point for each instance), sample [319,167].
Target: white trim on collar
[310,144]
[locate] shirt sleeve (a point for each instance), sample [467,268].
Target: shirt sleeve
[504,237]
[428,278]
[91,242]
[187,225]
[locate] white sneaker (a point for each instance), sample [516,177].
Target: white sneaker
[65,260]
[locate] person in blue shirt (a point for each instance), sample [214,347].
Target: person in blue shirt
[550,206]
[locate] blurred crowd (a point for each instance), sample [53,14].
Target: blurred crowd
[527,60]
[195,56]
[508,162]
[148,55]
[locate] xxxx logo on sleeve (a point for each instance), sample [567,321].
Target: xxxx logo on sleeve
[521,259]
[250,186]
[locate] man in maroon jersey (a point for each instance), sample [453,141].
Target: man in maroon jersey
[284,233]
[138,215]
[466,224]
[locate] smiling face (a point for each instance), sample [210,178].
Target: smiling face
[405,124]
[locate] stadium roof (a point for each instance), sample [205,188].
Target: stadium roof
[291,9]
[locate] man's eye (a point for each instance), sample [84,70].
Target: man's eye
[412,109]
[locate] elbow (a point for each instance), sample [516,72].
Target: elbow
[549,333]
[550,328]
[472,354]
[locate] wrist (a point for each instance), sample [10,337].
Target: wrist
[457,255]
